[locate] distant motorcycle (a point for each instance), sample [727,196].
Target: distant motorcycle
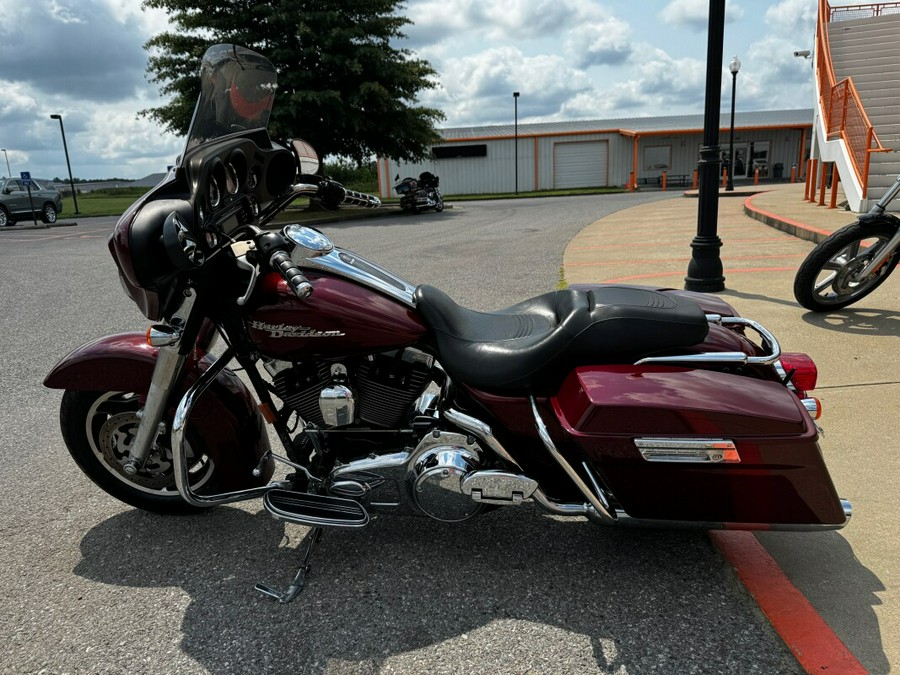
[417,195]
[853,261]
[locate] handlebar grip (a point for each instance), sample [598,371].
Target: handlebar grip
[361,199]
[282,262]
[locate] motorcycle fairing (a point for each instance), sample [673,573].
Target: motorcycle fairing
[226,417]
[779,478]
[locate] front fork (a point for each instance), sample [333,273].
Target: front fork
[169,363]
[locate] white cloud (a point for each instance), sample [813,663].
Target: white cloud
[477,89]
[793,18]
[600,42]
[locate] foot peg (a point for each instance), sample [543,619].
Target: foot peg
[300,578]
[315,510]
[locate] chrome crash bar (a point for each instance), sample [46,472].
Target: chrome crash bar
[769,343]
[179,455]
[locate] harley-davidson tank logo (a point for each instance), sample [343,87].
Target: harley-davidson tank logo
[281,330]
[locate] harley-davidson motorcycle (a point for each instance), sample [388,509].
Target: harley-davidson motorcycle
[418,195]
[853,261]
[624,405]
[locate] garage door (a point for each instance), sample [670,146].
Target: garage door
[580,164]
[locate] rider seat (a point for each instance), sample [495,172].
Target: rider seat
[531,346]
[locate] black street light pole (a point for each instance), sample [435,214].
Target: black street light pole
[516,135]
[734,67]
[8,170]
[704,271]
[68,166]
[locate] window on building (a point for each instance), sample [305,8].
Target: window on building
[454,151]
[657,157]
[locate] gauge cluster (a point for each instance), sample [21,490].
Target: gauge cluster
[233,181]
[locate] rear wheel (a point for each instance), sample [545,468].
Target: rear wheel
[99,428]
[4,217]
[826,279]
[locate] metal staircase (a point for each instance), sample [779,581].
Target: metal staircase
[868,51]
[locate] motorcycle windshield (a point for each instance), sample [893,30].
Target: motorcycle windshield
[237,90]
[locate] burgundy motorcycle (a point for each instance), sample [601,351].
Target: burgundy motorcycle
[625,405]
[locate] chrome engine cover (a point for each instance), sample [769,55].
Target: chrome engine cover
[436,470]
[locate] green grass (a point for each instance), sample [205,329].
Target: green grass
[102,202]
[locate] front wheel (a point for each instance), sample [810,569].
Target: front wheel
[48,214]
[826,279]
[99,428]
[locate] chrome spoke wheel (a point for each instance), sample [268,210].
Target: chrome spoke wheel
[830,278]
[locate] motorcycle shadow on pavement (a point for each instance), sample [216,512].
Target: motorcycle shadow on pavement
[824,567]
[511,591]
[857,321]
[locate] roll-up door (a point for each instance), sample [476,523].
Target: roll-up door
[580,164]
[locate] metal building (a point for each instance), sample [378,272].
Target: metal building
[591,153]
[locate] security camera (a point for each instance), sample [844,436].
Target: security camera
[803,53]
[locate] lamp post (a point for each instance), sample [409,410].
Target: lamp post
[734,67]
[66,150]
[8,170]
[516,136]
[704,271]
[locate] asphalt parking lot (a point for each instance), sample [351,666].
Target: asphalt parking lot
[90,585]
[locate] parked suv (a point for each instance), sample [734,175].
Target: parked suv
[15,205]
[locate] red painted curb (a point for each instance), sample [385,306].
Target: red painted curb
[803,630]
[748,206]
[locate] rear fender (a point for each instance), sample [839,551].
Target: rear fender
[226,416]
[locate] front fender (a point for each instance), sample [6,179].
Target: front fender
[225,417]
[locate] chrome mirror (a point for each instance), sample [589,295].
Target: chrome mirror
[307,157]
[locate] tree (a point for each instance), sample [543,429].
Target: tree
[342,84]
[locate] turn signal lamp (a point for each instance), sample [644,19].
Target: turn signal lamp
[805,372]
[162,336]
[813,407]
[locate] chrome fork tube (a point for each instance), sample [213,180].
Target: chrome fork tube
[165,373]
[879,259]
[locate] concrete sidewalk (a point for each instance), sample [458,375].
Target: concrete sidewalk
[851,577]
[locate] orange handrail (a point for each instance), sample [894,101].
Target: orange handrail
[842,109]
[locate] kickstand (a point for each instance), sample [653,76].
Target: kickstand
[300,579]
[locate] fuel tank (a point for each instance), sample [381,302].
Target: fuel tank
[339,318]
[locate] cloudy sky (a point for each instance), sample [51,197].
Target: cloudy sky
[570,59]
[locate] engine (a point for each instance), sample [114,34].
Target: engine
[377,390]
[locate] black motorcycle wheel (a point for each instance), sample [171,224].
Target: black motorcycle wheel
[99,427]
[825,282]
[440,205]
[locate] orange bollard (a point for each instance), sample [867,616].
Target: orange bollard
[631,182]
[664,181]
[756,176]
[793,173]
[834,183]
[724,177]
[821,187]
[694,186]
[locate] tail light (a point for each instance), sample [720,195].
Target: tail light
[805,374]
